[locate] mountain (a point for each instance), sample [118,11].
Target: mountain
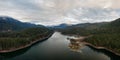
[64,25]
[88,28]
[11,24]
[116,23]
[82,25]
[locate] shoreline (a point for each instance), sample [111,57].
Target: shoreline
[101,48]
[28,45]
[97,47]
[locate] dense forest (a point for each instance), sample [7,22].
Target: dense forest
[105,34]
[15,34]
[16,39]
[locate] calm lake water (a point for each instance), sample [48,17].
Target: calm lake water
[59,48]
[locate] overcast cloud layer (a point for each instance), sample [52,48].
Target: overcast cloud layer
[54,12]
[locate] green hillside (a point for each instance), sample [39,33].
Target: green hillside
[103,34]
[13,40]
[15,34]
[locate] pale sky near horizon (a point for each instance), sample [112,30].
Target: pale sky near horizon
[54,12]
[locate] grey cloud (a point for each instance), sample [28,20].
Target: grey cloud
[52,12]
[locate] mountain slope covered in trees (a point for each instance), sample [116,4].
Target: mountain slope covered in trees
[105,34]
[15,35]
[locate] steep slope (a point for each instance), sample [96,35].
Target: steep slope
[11,24]
[115,23]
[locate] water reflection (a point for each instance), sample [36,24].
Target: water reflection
[4,56]
[111,55]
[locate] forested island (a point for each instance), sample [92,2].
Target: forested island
[104,34]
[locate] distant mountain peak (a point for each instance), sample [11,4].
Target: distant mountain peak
[5,17]
[116,22]
[9,23]
[10,19]
[63,25]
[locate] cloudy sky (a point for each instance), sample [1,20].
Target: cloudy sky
[54,12]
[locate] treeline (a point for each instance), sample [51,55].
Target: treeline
[106,35]
[75,31]
[16,39]
[82,29]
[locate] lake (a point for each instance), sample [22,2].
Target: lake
[57,47]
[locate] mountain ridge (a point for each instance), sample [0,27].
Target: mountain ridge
[11,24]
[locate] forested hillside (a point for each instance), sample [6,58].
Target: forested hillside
[13,40]
[103,34]
[15,34]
